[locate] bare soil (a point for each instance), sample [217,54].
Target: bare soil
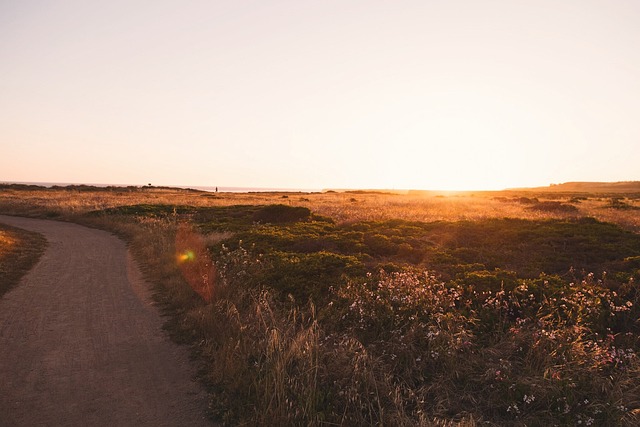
[81,343]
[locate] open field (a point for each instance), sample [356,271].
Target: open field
[369,308]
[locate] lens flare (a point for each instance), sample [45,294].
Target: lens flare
[192,258]
[187,255]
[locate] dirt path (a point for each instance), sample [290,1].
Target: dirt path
[81,344]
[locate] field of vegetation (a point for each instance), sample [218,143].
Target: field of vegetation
[370,308]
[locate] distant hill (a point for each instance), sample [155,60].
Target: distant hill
[589,187]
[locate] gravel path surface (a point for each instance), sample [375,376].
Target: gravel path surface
[82,345]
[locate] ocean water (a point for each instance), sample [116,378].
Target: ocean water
[255,189]
[201,188]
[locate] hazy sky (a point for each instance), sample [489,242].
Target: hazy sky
[315,94]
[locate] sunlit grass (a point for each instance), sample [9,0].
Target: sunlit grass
[19,251]
[6,242]
[342,207]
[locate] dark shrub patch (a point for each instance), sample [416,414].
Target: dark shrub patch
[281,214]
[380,245]
[483,280]
[147,210]
[558,207]
[619,203]
[310,275]
[488,253]
[527,200]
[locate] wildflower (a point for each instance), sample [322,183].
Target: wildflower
[513,408]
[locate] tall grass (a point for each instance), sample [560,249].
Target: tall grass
[404,349]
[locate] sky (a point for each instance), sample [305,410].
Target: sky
[429,94]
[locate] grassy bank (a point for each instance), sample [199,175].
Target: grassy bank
[386,309]
[19,251]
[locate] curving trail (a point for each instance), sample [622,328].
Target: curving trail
[81,344]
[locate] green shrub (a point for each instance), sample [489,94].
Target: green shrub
[557,207]
[526,247]
[281,214]
[309,275]
[483,280]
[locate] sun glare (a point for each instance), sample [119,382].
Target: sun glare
[464,140]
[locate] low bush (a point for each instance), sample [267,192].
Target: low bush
[553,206]
[281,214]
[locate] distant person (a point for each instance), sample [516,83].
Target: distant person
[216,189]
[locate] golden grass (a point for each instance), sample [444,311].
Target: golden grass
[342,207]
[7,241]
[19,251]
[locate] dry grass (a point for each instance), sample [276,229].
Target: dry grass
[19,251]
[342,207]
[7,242]
[193,260]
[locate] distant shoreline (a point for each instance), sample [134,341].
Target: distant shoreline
[623,187]
[209,189]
